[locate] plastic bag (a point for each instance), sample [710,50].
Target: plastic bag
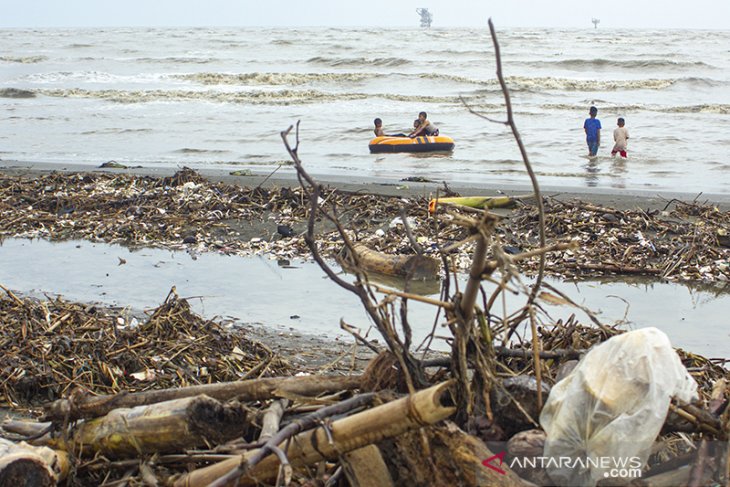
[605,415]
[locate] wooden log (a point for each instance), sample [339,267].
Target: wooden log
[365,467]
[86,406]
[165,427]
[417,267]
[425,407]
[24,465]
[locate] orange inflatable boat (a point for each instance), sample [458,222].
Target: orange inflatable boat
[439,143]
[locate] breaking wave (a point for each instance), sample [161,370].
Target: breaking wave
[360,61]
[177,60]
[114,131]
[719,109]
[15,93]
[616,63]
[270,78]
[23,59]
[282,97]
[518,83]
[567,84]
[188,150]
[526,83]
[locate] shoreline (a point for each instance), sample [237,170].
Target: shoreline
[618,199]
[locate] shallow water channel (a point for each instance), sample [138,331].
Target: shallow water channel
[299,297]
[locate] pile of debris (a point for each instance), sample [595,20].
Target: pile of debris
[179,400]
[52,347]
[690,241]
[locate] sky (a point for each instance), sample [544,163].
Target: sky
[702,14]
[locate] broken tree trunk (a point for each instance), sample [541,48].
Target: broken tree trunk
[418,267]
[87,406]
[24,465]
[425,407]
[165,427]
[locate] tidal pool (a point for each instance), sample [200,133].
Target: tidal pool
[300,297]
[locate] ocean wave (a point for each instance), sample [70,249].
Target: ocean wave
[549,83]
[618,63]
[79,76]
[15,93]
[188,150]
[567,84]
[177,60]
[270,78]
[115,131]
[704,82]
[282,97]
[457,52]
[23,59]
[719,109]
[360,61]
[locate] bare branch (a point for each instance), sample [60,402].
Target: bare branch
[526,160]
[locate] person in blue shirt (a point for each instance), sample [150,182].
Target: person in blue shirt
[592,126]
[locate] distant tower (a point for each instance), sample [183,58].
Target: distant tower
[426,17]
[595,22]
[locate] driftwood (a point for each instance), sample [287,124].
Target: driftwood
[365,467]
[417,267]
[87,406]
[24,465]
[272,419]
[425,407]
[164,427]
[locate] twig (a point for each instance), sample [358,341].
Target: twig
[303,424]
[351,330]
[414,243]
[528,166]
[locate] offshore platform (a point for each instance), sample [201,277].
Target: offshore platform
[426,17]
[595,22]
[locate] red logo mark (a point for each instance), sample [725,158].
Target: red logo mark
[487,463]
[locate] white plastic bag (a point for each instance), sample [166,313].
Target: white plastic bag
[604,416]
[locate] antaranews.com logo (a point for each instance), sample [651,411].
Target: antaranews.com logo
[621,467]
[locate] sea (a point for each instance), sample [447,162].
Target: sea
[220,98]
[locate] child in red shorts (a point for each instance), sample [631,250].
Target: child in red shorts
[620,137]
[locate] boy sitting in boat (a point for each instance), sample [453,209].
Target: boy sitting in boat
[424,128]
[378,128]
[379,132]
